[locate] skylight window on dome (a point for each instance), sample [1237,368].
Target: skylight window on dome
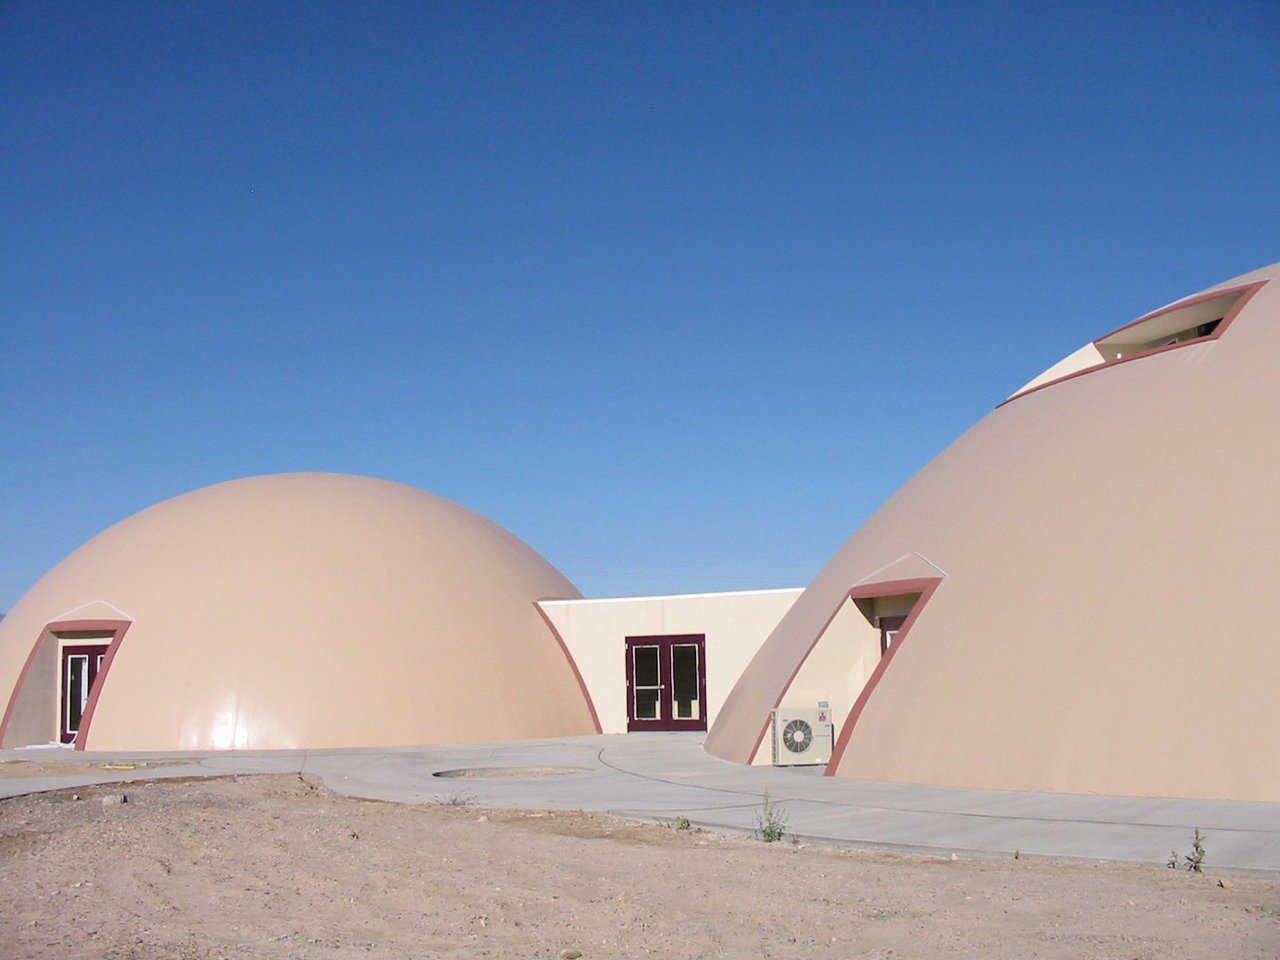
[1192,321]
[1178,326]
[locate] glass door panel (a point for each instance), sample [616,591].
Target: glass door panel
[75,678]
[685,700]
[646,688]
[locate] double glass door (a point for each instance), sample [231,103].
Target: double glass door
[667,683]
[80,666]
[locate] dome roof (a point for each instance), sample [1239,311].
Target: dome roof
[308,611]
[1101,552]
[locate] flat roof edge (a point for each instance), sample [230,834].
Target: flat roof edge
[669,596]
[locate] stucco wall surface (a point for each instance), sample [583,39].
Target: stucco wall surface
[835,671]
[595,632]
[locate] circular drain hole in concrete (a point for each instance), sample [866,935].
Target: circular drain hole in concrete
[493,773]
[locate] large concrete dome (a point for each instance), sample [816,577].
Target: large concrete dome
[1092,575]
[292,611]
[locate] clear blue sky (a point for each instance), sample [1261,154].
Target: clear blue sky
[677,293]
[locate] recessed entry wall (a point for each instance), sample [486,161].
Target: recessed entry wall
[836,669]
[595,632]
[51,702]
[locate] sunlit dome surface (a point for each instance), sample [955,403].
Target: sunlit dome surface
[304,610]
[1105,545]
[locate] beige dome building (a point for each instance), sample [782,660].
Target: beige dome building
[1079,594]
[291,611]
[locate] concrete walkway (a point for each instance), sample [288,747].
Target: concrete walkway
[664,776]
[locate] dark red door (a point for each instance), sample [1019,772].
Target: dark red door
[889,629]
[667,682]
[80,666]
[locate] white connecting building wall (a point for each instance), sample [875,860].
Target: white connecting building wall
[734,625]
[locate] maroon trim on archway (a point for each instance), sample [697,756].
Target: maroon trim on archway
[89,651]
[573,665]
[885,588]
[888,588]
[1246,292]
[117,628]
[751,757]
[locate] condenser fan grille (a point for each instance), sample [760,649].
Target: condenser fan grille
[797,736]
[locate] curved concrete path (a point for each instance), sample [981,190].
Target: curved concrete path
[664,776]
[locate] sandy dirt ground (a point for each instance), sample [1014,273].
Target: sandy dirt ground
[274,866]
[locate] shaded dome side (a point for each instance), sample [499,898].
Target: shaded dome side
[1109,544]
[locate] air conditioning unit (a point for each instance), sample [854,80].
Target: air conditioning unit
[802,735]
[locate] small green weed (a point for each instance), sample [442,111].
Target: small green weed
[1194,860]
[681,823]
[1196,857]
[771,821]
